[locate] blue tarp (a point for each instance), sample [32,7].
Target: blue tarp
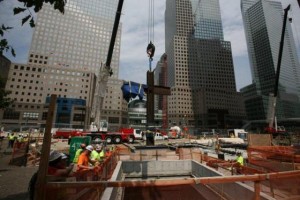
[132,89]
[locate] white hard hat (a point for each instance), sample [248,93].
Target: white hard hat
[63,156]
[54,155]
[90,148]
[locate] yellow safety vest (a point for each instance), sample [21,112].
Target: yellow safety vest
[240,160]
[11,137]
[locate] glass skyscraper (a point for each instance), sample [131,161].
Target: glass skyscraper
[263,21]
[79,39]
[200,66]
[67,51]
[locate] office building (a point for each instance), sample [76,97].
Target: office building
[263,22]
[200,67]
[160,79]
[4,68]
[77,42]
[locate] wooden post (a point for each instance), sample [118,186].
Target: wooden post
[151,91]
[150,98]
[40,192]
[257,190]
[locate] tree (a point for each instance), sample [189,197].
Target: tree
[36,5]
[5,101]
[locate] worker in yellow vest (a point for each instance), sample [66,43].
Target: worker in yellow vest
[240,159]
[11,140]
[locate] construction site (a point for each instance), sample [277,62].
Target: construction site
[186,167]
[183,168]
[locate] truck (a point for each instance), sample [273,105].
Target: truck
[97,134]
[237,133]
[160,136]
[66,133]
[110,137]
[136,132]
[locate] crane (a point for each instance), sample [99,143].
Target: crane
[273,97]
[105,72]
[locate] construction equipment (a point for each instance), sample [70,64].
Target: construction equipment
[273,97]
[104,73]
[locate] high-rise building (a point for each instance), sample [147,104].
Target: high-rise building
[160,75]
[4,68]
[263,22]
[200,67]
[73,45]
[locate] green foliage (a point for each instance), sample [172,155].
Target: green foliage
[4,46]
[5,101]
[37,5]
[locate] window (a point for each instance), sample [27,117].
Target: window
[11,114]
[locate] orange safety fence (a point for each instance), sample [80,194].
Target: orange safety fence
[216,163]
[91,185]
[18,156]
[103,172]
[277,185]
[274,158]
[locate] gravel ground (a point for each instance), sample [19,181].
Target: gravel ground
[13,179]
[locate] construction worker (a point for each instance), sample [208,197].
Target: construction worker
[78,152]
[11,140]
[240,159]
[25,139]
[58,165]
[84,159]
[98,153]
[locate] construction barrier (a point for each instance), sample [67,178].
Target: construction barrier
[91,184]
[103,172]
[19,153]
[279,186]
[274,158]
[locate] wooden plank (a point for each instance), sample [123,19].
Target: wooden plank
[43,167]
[161,90]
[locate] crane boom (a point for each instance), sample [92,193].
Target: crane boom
[105,71]
[273,98]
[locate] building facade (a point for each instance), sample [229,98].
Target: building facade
[137,115]
[4,68]
[160,79]
[200,67]
[76,42]
[263,22]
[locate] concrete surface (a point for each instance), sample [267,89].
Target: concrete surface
[13,179]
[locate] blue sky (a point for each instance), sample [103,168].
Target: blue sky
[134,40]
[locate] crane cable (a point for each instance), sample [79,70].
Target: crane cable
[150,48]
[151,21]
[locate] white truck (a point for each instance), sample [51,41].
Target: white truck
[159,136]
[237,133]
